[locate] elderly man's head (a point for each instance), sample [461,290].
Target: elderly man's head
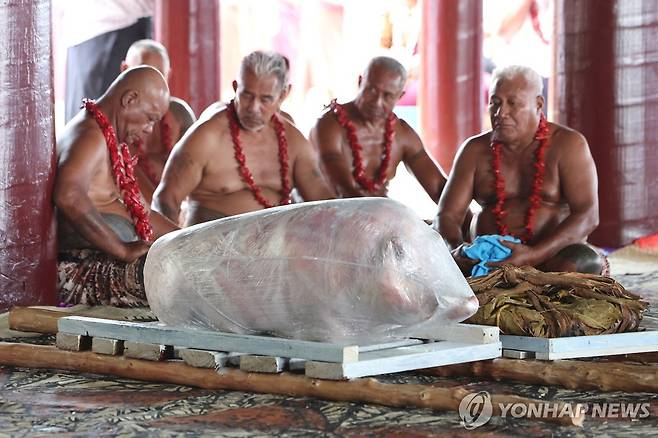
[148,52]
[261,88]
[515,103]
[380,87]
[139,97]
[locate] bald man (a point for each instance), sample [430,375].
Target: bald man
[362,142]
[153,152]
[105,226]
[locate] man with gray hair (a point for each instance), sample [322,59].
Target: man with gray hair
[535,181]
[244,156]
[362,142]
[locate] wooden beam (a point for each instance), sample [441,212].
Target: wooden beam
[360,390]
[571,374]
[158,333]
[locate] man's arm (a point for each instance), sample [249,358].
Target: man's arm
[308,178]
[457,196]
[75,170]
[182,173]
[579,183]
[327,137]
[427,172]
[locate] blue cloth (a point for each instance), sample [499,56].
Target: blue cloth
[487,249]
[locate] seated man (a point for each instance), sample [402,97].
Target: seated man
[535,180]
[244,157]
[105,228]
[362,142]
[154,151]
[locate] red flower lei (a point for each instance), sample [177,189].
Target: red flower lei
[370,184]
[248,178]
[535,198]
[124,172]
[144,161]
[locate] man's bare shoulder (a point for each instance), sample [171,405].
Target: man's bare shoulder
[476,144]
[212,110]
[205,133]
[566,138]
[181,112]
[327,119]
[81,133]
[294,136]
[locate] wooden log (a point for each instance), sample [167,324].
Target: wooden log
[28,319]
[361,390]
[571,374]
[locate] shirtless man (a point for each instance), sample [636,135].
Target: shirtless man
[358,164]
[244,157]
[552,210]
[153,152]
[105,229]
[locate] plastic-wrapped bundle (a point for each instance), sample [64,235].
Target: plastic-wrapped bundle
[345,270]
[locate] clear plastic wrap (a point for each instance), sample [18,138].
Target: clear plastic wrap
[353,270]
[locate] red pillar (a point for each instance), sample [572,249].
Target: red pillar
[450,96]
[27,155]
[190,31]
[607,78]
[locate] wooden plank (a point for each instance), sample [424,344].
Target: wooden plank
[468,333]
[296,364]
[383,345]
[147,351]
[595,352]
[203,358]
[584,346]
[262,364]
[65,341]
[403,359]
[158,333]
[517,354]
[112,347]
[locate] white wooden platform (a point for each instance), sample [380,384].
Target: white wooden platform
[202,348]
[579,346]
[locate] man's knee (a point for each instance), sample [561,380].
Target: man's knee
[578,257]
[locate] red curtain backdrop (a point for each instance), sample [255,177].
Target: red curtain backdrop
[607,88]
[450,97]
[190,31]
[27,156]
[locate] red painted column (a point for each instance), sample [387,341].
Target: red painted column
[450,96]
[27,155]
[190,31]
[607,88]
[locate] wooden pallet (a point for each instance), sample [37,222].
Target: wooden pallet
[525,347]
[201,348]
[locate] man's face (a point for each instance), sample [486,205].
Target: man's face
[257,99]
[378,93]
[514,110]
[141,114]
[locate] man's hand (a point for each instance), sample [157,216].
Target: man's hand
[522,255]
[134,250]
[465,263]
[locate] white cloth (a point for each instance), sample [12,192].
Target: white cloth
[82,20]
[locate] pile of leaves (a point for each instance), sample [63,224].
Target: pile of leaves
[527,302]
